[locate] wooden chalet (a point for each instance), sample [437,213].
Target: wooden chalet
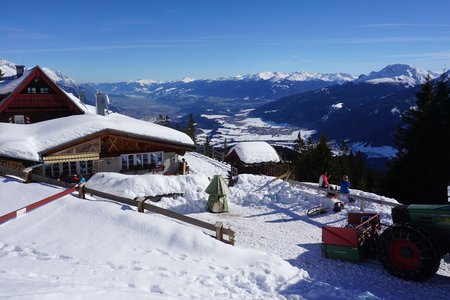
[111,143]
[31,96]
[109,149]
[257,158]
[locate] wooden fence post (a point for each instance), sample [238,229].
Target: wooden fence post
[140,203]
[81,191]
[219,231]
[231,237]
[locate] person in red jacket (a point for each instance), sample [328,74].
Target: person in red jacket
[323,180]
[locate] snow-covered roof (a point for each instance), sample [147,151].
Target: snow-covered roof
[29,141]
[7,86]
[78,103]
[255,152]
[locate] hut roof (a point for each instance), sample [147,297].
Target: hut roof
[255,152]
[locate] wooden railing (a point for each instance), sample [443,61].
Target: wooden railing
[142,205]
[361,199]
[216,154]
[139,202]
[212,152]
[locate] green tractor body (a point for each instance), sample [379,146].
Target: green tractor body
[413,246]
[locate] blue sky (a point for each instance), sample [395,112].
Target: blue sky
[106,41]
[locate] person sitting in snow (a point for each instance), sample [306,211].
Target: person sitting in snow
[345,187]
[323,180]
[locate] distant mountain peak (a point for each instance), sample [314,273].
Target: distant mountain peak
[397,74]
[187,79]
[60,78]
[8,68]
[297,76]
[144,81]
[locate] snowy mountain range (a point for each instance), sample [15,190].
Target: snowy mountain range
[365,110]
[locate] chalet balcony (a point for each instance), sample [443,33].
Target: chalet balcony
[36,101]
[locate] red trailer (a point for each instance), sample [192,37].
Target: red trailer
[354,241]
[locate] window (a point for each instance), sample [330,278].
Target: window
[31,90]
[156,158]
[124,159]
[73,168]
[69,168]
[19,119]
[90,165]
[83,169]
[138,160]
[65,169]
[143,160]
[44,90]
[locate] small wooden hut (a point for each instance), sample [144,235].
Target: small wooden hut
[258,158]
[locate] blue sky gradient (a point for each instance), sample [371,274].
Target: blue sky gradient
[106,41]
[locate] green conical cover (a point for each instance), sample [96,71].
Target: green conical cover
[217,186]
[217,191]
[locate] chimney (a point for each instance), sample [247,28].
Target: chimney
[19,70]
[101,103]
[82,98]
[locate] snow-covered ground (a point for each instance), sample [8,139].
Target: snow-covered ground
[100,249]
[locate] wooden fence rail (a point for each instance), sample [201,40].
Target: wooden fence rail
[361,199]
[140,203]
[218,228]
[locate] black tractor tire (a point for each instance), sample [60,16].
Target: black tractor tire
[409,252]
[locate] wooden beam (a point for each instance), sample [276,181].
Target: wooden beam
[112,140]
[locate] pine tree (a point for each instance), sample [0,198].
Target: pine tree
[420,173]
[190,129]
[323,154]
[313,160]
[225,145]
[207,141]
[359,172]
[1,74]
